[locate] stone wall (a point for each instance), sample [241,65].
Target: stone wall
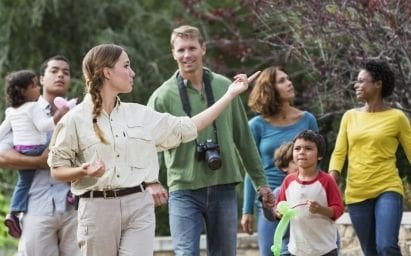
[247,244]
[349,241]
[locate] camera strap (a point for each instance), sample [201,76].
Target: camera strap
[208,91]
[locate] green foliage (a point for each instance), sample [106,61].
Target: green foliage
[7,178]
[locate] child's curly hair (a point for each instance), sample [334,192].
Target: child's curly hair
[284,155]
[315,137]
[16,83]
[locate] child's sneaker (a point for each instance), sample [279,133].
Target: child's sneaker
[13,224]
[71,199]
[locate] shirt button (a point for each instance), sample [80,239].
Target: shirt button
[118,176]
[118,155]
[116,136]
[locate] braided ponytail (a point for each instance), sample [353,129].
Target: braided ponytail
[98,58]
[97,107]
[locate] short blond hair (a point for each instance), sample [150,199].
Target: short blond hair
[186,31]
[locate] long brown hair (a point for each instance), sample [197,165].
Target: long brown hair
[264,98]
[98,58]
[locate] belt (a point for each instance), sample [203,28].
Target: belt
[112,193]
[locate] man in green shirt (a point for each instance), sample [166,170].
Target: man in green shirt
[202,191]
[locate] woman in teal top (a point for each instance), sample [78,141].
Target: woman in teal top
[278,122]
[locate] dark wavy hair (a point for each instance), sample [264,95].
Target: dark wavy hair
[318,139]
[381,71]
[16,83]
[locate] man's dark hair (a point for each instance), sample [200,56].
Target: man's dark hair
[381,71]
[43,66]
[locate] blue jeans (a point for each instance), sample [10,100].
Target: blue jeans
[216,208]
[21,191]
[265,232]
[377,223]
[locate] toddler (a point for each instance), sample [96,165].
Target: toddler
[31,131]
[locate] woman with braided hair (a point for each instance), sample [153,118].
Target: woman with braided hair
[369,137]
[108,150]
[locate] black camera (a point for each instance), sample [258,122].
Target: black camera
[210,152]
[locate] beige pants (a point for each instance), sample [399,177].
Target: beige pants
[117,226]
[49,235]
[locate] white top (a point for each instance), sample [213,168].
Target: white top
[29,123]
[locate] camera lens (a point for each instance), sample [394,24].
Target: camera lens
[213,159]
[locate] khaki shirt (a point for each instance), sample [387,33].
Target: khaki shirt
[134,134]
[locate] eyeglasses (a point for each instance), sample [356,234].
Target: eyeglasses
[362,81]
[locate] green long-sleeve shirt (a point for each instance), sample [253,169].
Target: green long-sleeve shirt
[183,170]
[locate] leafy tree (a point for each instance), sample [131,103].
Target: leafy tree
[321,43]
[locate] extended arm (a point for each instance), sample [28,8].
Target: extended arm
[205,118]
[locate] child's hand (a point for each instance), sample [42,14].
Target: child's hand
[277,214]
[314,206]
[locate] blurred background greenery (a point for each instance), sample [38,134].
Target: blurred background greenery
[320,43]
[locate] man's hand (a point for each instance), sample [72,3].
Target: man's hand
[159,193]
[44,156]
[12,159]
[247,223]
[267,197]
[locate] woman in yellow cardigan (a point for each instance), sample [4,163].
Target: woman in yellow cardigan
[368,137]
